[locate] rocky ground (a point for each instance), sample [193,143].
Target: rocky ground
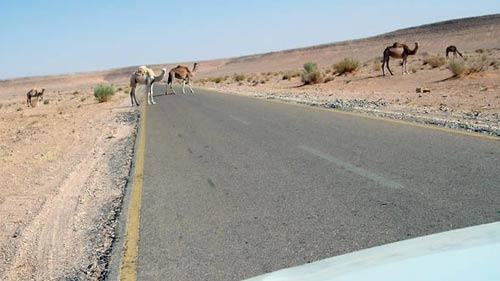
[64,167]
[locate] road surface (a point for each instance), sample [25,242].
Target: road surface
[235,187]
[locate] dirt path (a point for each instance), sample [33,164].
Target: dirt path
[64,167]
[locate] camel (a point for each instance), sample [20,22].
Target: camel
[454,50]
[145,76]
[183,73]
[34,93]
[398,51]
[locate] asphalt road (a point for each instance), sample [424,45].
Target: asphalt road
[235,187]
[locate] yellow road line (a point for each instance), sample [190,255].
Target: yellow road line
[128,266]
[366,116]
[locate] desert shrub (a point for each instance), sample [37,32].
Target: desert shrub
[377,66]
[103,93]
[434,61]
[291,74]
[347,65]
[217,79]
[478,64]
[311,74]
[458,68]
[414,69]
[239,77]
[46,102]
[480,51]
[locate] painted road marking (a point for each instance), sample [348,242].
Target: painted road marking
[240,120]
[128,265]
[357,170]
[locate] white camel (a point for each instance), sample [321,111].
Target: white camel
[146,76]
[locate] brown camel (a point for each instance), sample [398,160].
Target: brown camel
[146,76]
[34,93]
[454,50]
[183,73]
[398,51]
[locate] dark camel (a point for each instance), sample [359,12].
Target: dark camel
[398,51]
[454,50]
[183,73]
[34,93]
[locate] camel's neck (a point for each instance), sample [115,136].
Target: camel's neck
[414,51]
[160,77]
[195,67]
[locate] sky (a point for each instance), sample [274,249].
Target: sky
[54,37]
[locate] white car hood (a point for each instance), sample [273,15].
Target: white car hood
[465,254]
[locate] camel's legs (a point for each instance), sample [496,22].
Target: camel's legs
[172,87]
[189,85]
[132,96]
[183,86]
[403,66]
[386,63]
[151,93]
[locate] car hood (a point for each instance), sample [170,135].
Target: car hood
[471,253]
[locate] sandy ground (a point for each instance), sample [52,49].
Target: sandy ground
[64,165]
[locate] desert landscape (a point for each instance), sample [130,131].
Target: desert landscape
[66,161]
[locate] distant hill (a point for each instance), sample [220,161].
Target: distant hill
[468,34]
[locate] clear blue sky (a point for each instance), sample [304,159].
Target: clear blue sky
[50,37]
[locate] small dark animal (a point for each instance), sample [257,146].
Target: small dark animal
[454,50]
[34,93]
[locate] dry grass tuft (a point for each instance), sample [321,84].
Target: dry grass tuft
[310,74]
[434,61]
[347,65]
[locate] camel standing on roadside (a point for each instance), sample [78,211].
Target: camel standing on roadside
[454,50]
[183,73]
[398,51]
[145,76]
[34,93]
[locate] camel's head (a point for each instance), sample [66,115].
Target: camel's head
[145,71]
[164,70]
[43,90]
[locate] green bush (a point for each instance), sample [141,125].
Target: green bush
[458,68]
[347,65]
[103,93]
[434,61]
[311,74]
